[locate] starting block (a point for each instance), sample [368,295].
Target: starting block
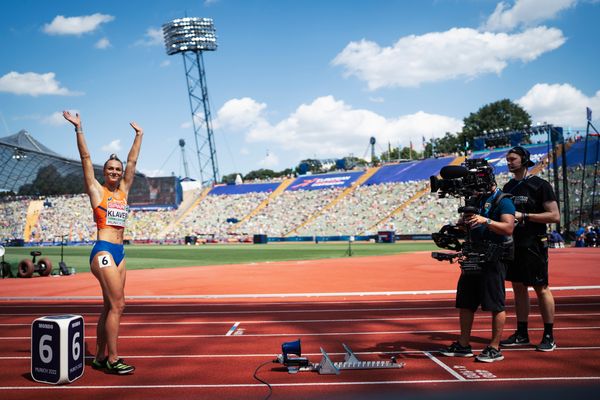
[351,361]
[291,358]
[57,349]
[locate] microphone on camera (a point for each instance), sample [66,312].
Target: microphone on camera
[453,172]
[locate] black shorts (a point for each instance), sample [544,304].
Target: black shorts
[485,289]
[530,266]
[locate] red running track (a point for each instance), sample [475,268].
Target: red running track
[181,349]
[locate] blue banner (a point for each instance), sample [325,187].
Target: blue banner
[326,181]
[244,188]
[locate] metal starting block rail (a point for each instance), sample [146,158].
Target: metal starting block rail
[351,362]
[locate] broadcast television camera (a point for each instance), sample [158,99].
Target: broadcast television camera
[473,176]
[472,179]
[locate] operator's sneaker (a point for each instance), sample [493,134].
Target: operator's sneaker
[457,350]
[547,344]
[119,367]
[99,365]
[490,354]
[516,339]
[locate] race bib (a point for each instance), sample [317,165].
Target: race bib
[116,213]
[104,261]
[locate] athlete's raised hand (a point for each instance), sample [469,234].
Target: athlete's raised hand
[75,120]
[136,127]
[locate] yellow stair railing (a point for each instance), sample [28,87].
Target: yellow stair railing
[401,207]
[186,211]
[33,215]
[274,194]
[363,178]
[457,161]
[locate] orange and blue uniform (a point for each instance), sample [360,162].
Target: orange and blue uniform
[112,211]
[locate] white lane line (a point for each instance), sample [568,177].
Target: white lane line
[272,355]
[268,311]
[447,368]
[302,334]
[275,295]
[232,329]
[304,384]
[311,310]
[297,321]
[270,303]
[316,321]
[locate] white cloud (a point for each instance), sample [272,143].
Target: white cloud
[112,147]
[152,37]
[271,160]
[27,117]
[165,63]
[198,119]
[437,56]
[57,119]
[102,44]
[61,25]
[376,99]
[559,104]
[33,84]
[524,13]
[239,113]
[330,128]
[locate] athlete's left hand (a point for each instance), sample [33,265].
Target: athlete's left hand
[136,127]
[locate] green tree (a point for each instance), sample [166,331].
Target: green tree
[449,143]
[259,174]
[428,152]
[391,155]
[230,178]
[408,154]
[285,172]
[499,114]
[49,181]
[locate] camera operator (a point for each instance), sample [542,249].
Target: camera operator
[536,206]
[494,223]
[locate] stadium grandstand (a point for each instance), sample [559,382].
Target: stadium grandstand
[42,196]
[360,203]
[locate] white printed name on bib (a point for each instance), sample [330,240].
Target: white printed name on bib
[104,261]
[116,213]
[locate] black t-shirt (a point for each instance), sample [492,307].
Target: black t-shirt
[529,196]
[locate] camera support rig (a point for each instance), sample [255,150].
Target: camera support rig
[470,181]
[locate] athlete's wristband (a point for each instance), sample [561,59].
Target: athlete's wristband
[525,217]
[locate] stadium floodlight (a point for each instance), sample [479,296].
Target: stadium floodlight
[18,155]
[192,36]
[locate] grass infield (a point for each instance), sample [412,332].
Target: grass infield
[156,256]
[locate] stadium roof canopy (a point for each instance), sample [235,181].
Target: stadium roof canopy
[22,157]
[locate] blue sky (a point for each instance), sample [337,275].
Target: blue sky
[291,79]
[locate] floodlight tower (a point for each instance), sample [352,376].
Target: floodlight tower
[372,142]
[191,36]
[185,164]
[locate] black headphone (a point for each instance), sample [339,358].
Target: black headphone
[524,154]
